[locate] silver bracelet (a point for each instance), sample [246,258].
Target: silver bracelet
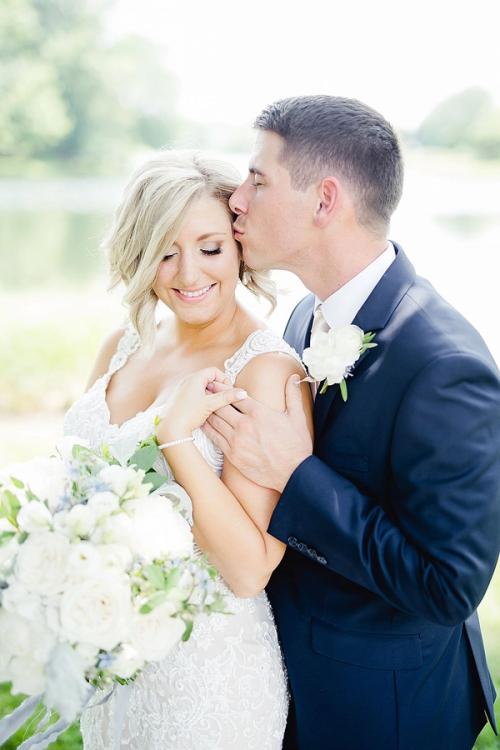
[176,442]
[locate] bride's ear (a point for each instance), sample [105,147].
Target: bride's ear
[328,193]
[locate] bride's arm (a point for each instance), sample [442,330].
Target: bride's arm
[231,514]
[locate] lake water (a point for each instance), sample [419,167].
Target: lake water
[448,223]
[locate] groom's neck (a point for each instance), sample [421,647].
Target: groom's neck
[334,261]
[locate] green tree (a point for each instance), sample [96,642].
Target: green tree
[450,124]
[67,93]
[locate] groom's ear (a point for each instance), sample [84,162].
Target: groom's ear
[327,201]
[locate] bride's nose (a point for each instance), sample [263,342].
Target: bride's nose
[188,271]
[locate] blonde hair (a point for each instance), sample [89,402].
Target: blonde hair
[148,220]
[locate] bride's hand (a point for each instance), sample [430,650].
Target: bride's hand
[188,403]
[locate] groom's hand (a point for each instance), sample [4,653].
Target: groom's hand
[265,445]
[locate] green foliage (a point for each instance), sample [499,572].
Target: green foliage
[69,95]
[465,120]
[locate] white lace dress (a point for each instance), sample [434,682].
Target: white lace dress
[225,688]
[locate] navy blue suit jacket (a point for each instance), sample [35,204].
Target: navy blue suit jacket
[393,533]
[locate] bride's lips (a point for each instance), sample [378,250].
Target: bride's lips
[193,295]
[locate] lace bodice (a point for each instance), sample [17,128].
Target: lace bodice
[227,682]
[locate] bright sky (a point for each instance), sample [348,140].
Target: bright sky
[232,58]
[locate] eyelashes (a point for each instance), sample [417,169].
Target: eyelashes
[215,251]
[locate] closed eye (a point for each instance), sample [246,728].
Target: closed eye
[215,251]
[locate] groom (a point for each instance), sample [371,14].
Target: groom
[392,520]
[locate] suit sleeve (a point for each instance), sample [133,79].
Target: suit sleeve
[433,554]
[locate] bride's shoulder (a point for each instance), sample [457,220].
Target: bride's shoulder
[268,363]
[105,354]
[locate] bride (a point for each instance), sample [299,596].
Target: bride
[172,241]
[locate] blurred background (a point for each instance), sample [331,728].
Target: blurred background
[88,88]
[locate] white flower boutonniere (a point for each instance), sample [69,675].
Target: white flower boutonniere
[333,354]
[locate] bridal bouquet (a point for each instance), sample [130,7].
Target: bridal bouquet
[98,573]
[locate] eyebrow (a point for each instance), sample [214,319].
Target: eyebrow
[254,170]
[210,234]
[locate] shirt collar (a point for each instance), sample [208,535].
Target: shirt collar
[340,308]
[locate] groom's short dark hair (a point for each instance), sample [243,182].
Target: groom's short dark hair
[325,134]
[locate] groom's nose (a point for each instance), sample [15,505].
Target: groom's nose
[238,202]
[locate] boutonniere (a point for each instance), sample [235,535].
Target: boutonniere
[333,354]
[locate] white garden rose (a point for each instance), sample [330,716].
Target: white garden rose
[155,634]
[126,661]
[115,529]
[66,689]
[322,361]
[160,531]
[15,634]
[33,517]
[27,675]
[41,562]
[125,481]
[348,341]
[115,556]
[16,598]
[103,504]
[83,560]
[97,610]
[332,353]
[45,477]
[80,521]
[8,551]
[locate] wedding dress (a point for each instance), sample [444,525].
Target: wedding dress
[225,688]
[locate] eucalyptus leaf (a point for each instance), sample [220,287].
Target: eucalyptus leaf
[188,630]
[145,457]
[343,389]
[156,479]
[17,483]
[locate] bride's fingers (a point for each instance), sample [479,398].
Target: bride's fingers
[225,398]
[216,387]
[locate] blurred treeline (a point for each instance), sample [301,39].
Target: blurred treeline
[71,96]
[75,100]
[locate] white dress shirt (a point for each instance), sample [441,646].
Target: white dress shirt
[341,307]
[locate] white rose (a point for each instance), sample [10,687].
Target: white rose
[16,598]
[45,477]
[83,560]
[8,552]
[160,531]
[80,521]
[154,635]
[27,675]
[33,517]
[97,610]
[348,341]
[104,504]
[115,556]
[116,529]
[41,562]
[66,689]
[321,360]
[125,481]
[15,634]
[126,661]
[65,446]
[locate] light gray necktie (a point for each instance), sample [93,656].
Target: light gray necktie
[319,325]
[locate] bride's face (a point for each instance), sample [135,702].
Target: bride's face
[198,275]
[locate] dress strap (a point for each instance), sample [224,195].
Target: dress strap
[262,341]
[127,345]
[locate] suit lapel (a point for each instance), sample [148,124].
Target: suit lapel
[373,316]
